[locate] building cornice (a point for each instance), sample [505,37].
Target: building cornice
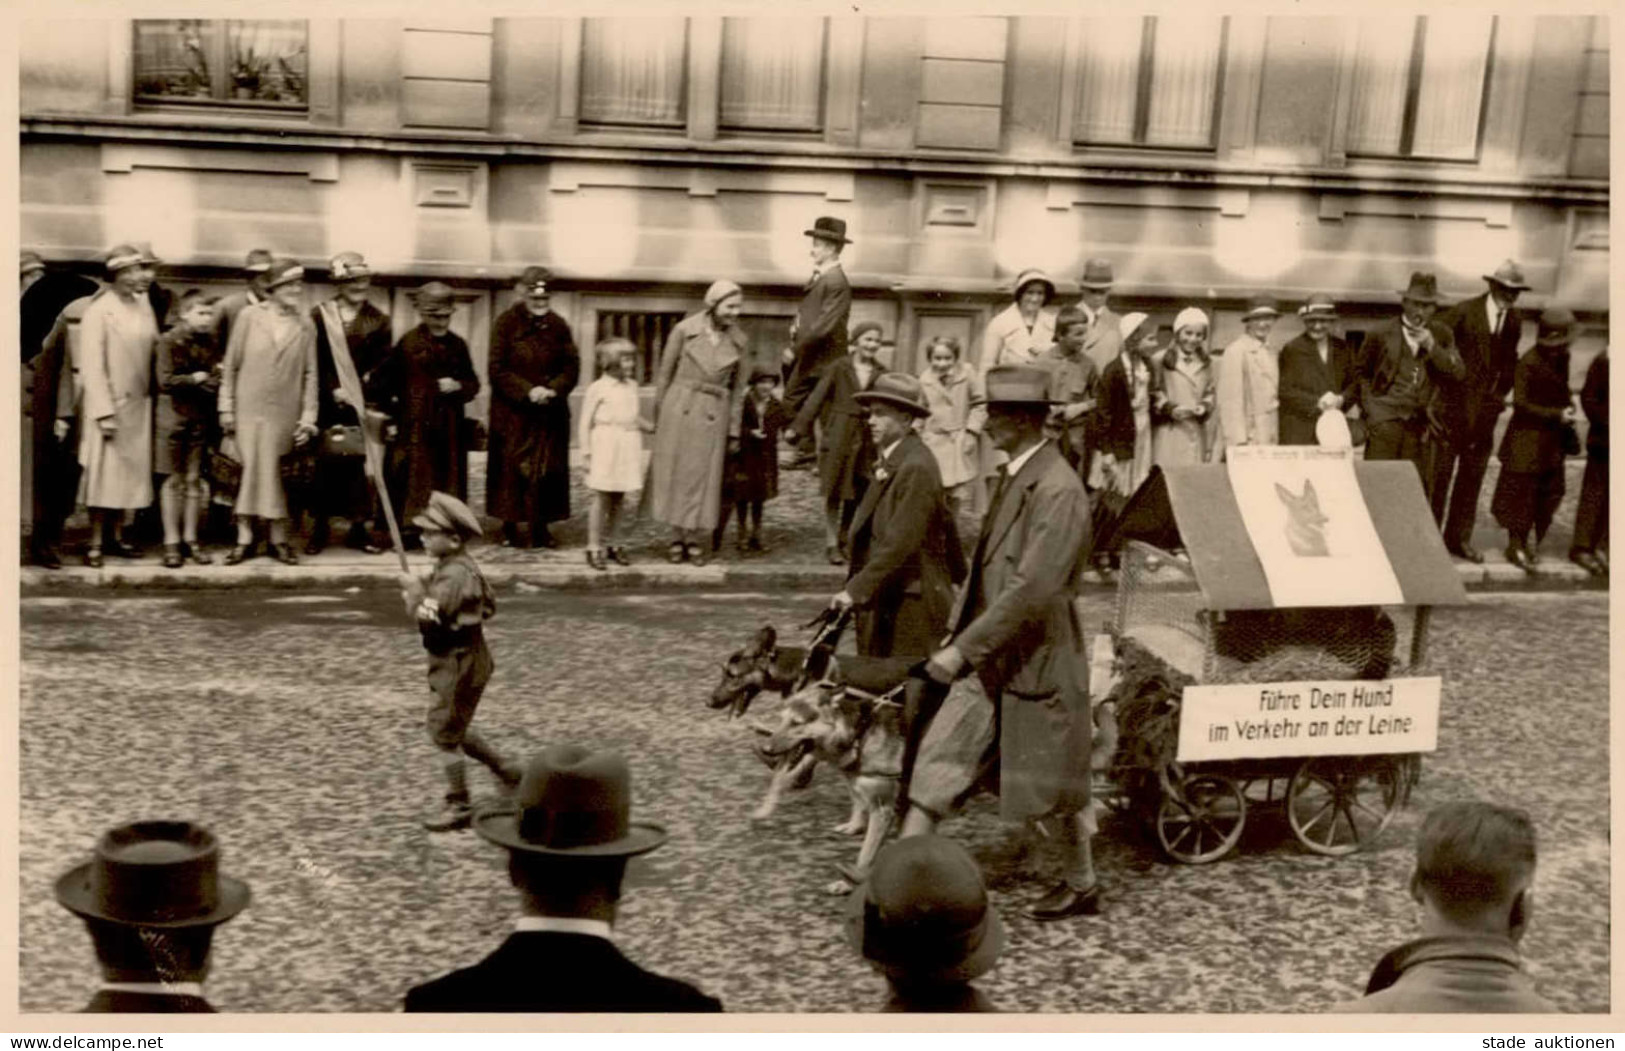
[1162,169]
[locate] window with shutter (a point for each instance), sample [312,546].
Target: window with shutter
[634,71]
[1419,85]
[772,74]
[1149,81]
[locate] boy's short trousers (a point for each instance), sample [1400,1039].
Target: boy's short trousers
[174,449]
[457,679]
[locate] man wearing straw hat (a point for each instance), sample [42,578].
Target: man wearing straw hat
[569,835]
[1486,330]
[1018,688]
[151,897]
[1401,363]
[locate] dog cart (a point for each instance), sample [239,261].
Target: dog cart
[1260,667]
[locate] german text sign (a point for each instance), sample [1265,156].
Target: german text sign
[1279,719]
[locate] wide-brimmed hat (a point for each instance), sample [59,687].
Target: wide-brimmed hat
[29,263]
[348,266]
[447,514]
[1260,307]
[897,389]
[154,874]
[435,298]
[1424,288]
[1556,327]
[923,913]
[1027,277]
[283,271]
[259,261]
[1508,275]
[1097,275]
[1318,305]
[1018,385]
[829,228]
[533,282]
[571,802]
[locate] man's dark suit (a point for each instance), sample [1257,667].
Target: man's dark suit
[906,557]
[820,337]
[1398,415]
[1305,378]
[110,1001]
[553,971]
[1468,410]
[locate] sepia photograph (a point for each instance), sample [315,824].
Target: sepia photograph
[814,510]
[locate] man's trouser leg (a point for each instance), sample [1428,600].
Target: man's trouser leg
[1471,464]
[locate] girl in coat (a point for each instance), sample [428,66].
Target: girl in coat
[268,403]
[699,395]
[611,441]
[1122,441]
[846,454]
[754,473]
[953,392]
[117,337]
[1182,395]
[1531,482]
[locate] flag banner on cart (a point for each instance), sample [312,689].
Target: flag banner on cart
[1308,523]
[1277,720]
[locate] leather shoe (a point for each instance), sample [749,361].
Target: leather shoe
[1588,562]
[196,554]
[1063,902]
[1468,552]
[239,553]
[619,556]
[284,553]
[542,537]
[119,549]
[93,558]
[833,553]
[47,558]
[1518,555]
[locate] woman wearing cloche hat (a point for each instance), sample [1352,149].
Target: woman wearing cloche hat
[1539,436]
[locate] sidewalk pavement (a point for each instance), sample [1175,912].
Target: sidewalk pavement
[567,569]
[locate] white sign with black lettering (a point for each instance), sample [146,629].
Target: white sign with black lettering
[1282,719]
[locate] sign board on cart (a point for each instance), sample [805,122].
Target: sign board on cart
[1283,719]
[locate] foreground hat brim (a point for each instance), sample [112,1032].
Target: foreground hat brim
[500,825]
[976,963]
[74,893]
[895,401]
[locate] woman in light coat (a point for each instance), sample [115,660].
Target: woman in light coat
[117,338]
[1182,395]
[699,397]
[953,393]
[268,403]
[1017,335]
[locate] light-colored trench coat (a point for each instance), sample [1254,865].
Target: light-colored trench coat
[117,337]
[1249,381]
[956,419]
[270,384]
[699,396]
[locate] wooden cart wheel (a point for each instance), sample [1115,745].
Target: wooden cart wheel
[1339,805]
[1206,824]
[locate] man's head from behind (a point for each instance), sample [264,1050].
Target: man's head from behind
[1475,863]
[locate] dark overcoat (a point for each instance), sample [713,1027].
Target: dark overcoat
[906,557]
[341,485]
[1533,442]
[1468,408]
[430,452]
[1305,378]
[529,465]
[845,454]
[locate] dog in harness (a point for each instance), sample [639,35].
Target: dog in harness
[859,733]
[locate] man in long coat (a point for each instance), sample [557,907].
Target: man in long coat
[534,366]
[341,486]
[1104,342]
[1015,661]
[54,401]
[255,269]
[433,376]
[1401,363]
[818,334]
[1248,382]
[906,557]
[1486,330]
[1317,373]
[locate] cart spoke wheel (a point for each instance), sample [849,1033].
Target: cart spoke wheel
[1359,794]
[1206,824]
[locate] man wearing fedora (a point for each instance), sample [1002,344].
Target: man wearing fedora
[151,897]
[923,920]
[1248,381]
[906,556]
[1317,373]
[569,834]
[1485,329]
[818,333]
[1401,363]
[255,270]
[1105,340]
[1018,688]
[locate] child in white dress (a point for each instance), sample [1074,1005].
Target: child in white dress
[611,441]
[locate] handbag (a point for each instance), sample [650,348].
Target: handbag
[225,468]
[343,440]
[1571,440]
